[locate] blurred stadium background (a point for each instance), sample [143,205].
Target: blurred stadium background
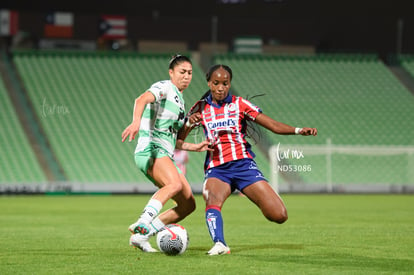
[69,76]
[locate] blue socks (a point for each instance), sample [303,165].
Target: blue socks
[214,222]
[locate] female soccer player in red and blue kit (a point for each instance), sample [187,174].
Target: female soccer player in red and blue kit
[231,166]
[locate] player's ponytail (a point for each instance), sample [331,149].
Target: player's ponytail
[253,131]
[205,95]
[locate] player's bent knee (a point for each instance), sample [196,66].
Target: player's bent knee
[191,206]
[175,188]
[279,218]
[186,208]
[282,219]
[187,212]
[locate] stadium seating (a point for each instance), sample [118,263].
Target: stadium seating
[85,100]
[17,159]
[351,99]
[407,62]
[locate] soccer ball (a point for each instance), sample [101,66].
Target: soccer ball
[172,239]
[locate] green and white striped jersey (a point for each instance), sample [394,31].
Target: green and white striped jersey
[162,119]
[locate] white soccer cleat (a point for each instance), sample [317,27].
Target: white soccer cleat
[219,249]
[141,242]
[139,227]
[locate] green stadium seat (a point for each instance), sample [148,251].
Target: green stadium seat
[86,100]
[407,62]
[17,159]
[351,99]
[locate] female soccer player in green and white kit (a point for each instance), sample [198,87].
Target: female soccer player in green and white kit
[158,115]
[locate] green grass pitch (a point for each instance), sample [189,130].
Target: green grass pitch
[325,234]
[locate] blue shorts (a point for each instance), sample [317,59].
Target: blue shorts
[238,173]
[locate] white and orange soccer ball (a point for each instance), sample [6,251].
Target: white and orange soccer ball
[173,239]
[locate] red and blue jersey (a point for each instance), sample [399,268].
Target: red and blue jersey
[225,125]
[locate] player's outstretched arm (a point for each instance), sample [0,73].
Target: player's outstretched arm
[282,128]
[195,147]
[132,129]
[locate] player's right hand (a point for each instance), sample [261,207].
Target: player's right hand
[195,118]
[131,131]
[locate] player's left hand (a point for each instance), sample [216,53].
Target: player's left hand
[203,146]
[308,131]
